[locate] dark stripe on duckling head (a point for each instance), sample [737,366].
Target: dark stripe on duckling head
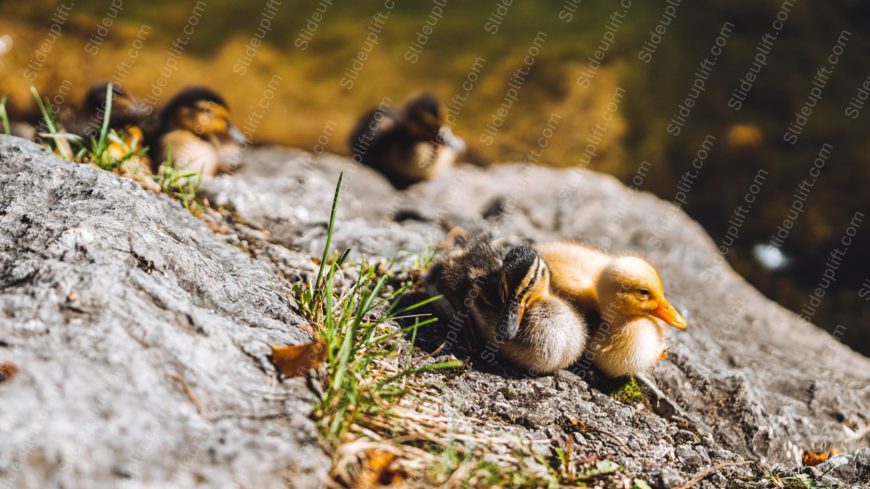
[425,102]
[188,97]
[520,270]
[423,117]
[517,264]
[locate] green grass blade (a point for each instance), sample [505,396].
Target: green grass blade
[48,118]
[423,368]
[107,114]
[330,229]
[4,116]
[393,334]
[44,110]
[418,305]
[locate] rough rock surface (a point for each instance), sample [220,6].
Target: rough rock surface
[749,379]
[110,295]
[113,304]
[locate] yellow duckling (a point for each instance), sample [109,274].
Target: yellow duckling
[407,146]
[511,308]
[196,131]
[628,295]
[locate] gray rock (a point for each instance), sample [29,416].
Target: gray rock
[688,457]
[669,478]
[853,467]
[111,300]
[753,378]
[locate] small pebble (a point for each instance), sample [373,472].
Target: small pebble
[669,477]
[685,436]
[688,456]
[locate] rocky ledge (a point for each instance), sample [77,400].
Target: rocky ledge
[141,336]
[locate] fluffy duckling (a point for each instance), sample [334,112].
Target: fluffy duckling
[407,146]
[511,307]
[627,294]
[196,131]
[124,113]
[126,119]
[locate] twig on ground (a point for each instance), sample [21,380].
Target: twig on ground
[189,392]
[709,470]
[612,436]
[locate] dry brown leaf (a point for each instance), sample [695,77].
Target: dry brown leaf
[295,360]
[379,470]
[7,371]
[811,458]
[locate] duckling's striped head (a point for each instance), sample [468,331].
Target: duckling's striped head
[202,111]
[524,280]
[423,116]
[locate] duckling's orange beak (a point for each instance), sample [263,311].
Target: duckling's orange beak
[669,314]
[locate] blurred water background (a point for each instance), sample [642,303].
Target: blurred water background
[653,93]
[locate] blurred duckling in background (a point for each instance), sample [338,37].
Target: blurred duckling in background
[407,146]
[124,112]
[510,304]
[196,131]
[125,118]
[627,294]
[22,129]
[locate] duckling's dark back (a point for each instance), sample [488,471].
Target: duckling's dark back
[377,133]
[383,141]
[123,110]
[467,263]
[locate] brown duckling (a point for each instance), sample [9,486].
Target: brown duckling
[126,120]
[124,112]
[627,294]
[511,308]
[407,146]
[197,133]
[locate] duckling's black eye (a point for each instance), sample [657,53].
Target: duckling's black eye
[643,292]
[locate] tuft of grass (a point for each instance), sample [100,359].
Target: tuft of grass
[777,477]
[355,323]
[4,116]
[629,392]
[180,185]
[59,142]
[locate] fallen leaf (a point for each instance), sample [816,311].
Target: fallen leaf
[295,360]
[378,470]
[811,458]
[578,424]
[7,371]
